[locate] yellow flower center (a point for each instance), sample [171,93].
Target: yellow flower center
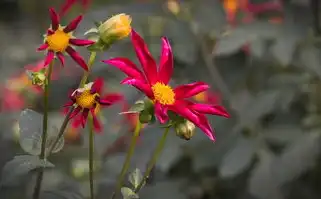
[201,97]
[86,99]
[164,94]
[58,41]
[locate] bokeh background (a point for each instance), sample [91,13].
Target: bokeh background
[261,57]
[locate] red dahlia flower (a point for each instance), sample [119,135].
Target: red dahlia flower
[59,39]
[154,81]
[89,99]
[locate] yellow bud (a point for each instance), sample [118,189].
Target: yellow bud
[185,130]
[38,78]
[115,28]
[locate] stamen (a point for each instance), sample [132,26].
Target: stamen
[163,93]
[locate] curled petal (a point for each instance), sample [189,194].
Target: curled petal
[210,109]
[144,57]
[50,56]
[96,123]
[110,99]
[43,47]
[161,113]
[84,117]
[54,19]
[61,58]
[81,42]
[205,127]
[189,90]
[140,85]
[97,86]
[75,112]
[73,24]
[166,62]
[126,66]
[77,58]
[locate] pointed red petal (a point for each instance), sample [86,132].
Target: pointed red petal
[144,56]
[73,24]
[81,42]
[126,66]
[110,99]
[189,90]
[161,113]
[84,117]
[210,109]
[97,125]
[50,32]
[77,58]
[140,85]
[43,47]
[166,62]
[54,19]
[61,58]
[97,86]
[50,56]
[75,112]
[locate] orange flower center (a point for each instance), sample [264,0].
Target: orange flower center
[58,41]
[86,99]
[163,93]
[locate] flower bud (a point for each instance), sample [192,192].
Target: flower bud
[37,78]
[185,130]
[115,28]
[145,117]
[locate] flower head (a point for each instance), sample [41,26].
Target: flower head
[59,39]
[154,82]
[90,99]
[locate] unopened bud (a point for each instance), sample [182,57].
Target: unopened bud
[37,78]
[185,130]
[145,117]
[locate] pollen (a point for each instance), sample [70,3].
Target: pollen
[58,41]
[86,99]
[164,94]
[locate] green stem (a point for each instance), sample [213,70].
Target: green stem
[130,153]
[153,160]
[37,188]
[91,157]
[86,74]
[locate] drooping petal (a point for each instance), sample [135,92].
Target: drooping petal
[97,86]
[189,90]
[84,117]
[161,113]
[54,19]
[81,42]
[75,112]
[126,66]
[210,109]
[182,109]
[73,24]
[97,125]
[144,57]
[166,62]
[140,85]
[50,56]
[110,99]
[61,58]
[205,127]
[76,122]
[43,47]
[77,58]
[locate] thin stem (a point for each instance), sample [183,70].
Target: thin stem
[128,157]
[86,74]
[153,160]
[37,188]
[91,157]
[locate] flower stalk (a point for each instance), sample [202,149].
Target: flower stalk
[91,157]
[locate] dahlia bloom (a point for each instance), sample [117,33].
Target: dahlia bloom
[153,81]
[59,40]
[90,99]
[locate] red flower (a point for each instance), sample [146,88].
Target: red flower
[89,99]
[154,83]
[59,39]
[69,3]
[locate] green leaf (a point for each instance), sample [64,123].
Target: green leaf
[128,193]
[135,177]
[91,30]
[136,108]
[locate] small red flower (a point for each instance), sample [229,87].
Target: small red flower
[154,83]
[69,3]
[89,99]
[59,39]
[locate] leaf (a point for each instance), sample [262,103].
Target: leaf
[135,177]
[136,108]
[238,158]
[128,193]
[19,166]
[91,30]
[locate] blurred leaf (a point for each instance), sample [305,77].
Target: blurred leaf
[135,177]
[238,158]
[310,59]
[19,166]
[283,133]
[128,193]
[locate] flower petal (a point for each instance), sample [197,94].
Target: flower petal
[210,109]
[205,127]
[50,32]
[84,117]
[43,47]
[73,24]
[182,109]
[161,113]
[126,66]
[81,42]
[97,86]
[75,112]
[61,58]
[140,85]
[54,19]
[97,125]
[144,57]
[76,122]
[166,62]
[189,90]
[77,58]
[110,99]
[50,56]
